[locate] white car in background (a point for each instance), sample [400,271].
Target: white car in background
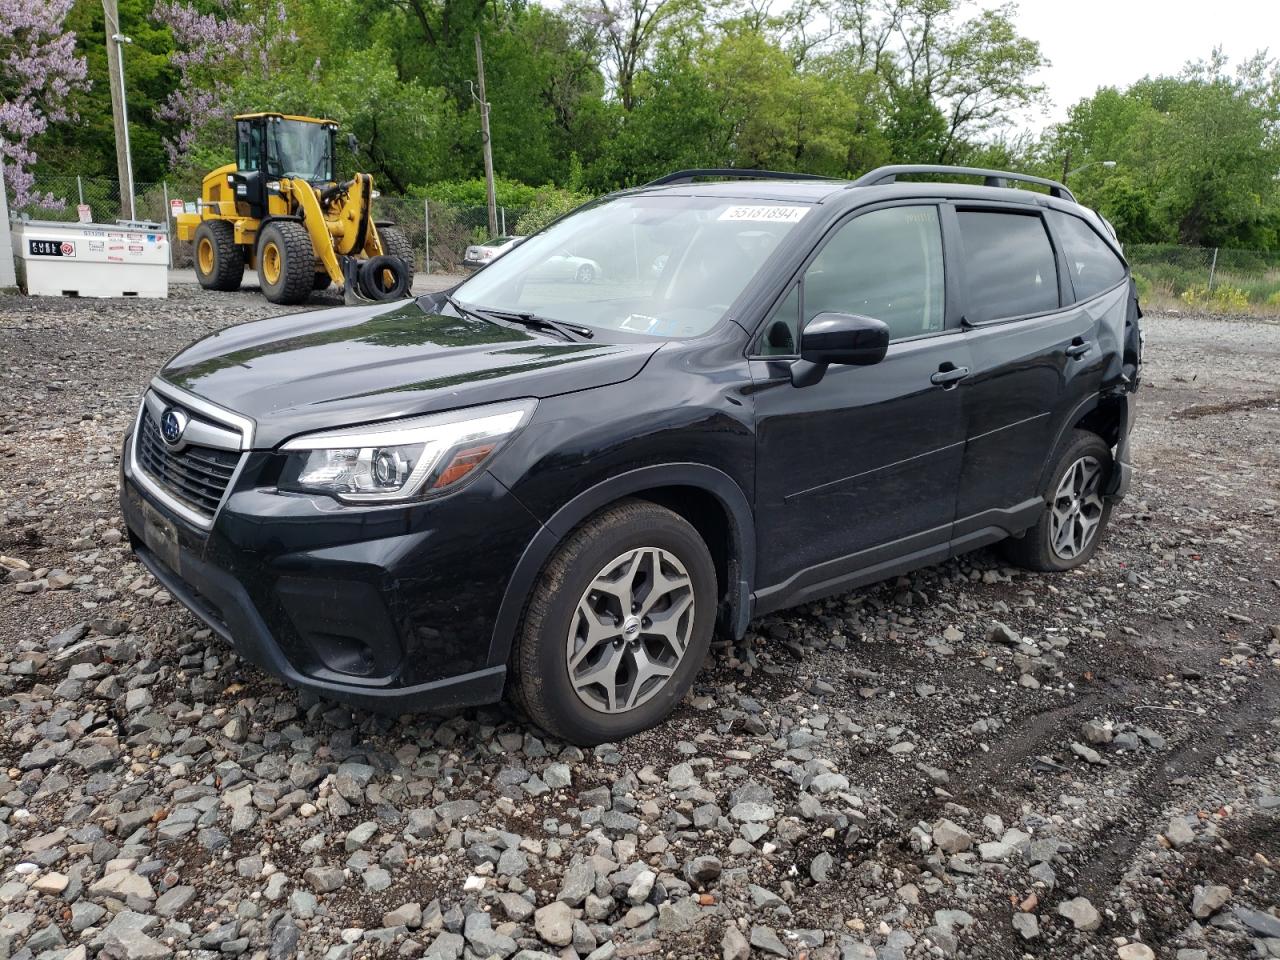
[565,266]
[480,254]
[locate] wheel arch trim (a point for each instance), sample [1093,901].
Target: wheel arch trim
[559,525]
[1077,413]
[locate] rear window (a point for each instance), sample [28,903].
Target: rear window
[1009,264]
[1094,266]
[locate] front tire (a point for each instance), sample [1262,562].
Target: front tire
[1075,518]
[286,262]
[618,625]
[219,260]
[586,273]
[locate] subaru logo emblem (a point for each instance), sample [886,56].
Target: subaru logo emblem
[173,423]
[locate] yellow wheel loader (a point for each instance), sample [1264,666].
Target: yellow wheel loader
[279,209]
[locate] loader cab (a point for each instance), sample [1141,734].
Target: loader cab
[272,146]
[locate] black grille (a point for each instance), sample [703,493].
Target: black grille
[198,476]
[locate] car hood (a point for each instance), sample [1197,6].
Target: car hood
[353,365]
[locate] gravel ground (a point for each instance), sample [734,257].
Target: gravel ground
[971,761]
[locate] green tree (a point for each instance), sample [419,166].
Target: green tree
[87,145]
[1196,154]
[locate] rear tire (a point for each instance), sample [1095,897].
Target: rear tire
[286,262]
[647,655]
[321,282]
[586,273]
[396,244]
[219,260]
[1075,518]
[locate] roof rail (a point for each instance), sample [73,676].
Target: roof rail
[991,178]
[730,173]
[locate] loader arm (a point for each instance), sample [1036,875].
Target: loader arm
[355,233]
[317,228]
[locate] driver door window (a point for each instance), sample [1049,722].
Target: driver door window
[885,264]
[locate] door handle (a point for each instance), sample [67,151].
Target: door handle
[948,376]
[1079,347]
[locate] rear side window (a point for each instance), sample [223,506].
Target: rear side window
[1009,263]
[1093,265]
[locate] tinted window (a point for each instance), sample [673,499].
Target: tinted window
[1093,265]
[885,264]
[1009,263]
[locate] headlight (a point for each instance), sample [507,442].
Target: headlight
[403,459]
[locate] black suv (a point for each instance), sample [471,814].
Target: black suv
[773,388]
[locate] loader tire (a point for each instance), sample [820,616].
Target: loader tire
[396,244]
[219,260]
[286,262]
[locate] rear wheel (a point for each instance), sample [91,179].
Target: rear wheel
[396,244]
[618,625]
[1075,519]
[286,262]
[321,282]
[218,258]
[586,273]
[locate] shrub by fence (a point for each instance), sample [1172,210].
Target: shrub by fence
[1208,278]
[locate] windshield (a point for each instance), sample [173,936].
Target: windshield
[665,266]
[296,148]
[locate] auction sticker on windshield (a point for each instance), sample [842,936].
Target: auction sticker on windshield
[768,214]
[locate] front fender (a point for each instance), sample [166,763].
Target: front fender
[569,516]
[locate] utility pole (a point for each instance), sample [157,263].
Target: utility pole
[488,145]
[119,107]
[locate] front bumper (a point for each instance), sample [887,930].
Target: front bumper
[388,608]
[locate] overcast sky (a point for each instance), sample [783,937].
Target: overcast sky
[1098,43]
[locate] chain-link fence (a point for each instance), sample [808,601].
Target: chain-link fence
[1221,279]
[59,198]
[439,232]
[1168,276]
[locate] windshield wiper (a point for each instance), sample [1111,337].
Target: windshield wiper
[464,310]
[567,330]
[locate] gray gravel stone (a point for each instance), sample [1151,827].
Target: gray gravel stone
[1027,925]
[1081,913]
[764,938]
[554,923]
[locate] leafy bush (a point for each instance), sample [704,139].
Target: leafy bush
[471,193]
[1224,298]
[547,206]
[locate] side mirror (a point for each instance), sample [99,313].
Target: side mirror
[842,338]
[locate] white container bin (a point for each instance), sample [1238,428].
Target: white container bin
[91,259]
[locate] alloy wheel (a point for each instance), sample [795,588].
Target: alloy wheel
[1076,511]
[630,630]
